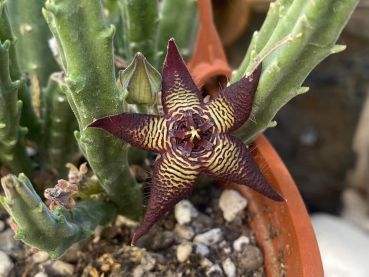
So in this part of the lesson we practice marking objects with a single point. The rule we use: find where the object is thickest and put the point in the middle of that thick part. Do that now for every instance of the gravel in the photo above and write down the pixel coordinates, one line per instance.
(40, 257)
(184, 232)
(208, 245)
(41, 274)
(138, 271)
(202, 249)
(240, 242)
(2, 225)
(6, 265)
(231, 203)
(7, 241)
(229, 268)
(184, 211)
(162, 240)
(214, 271)
(148, 262)
(249, 259)
(210, 237)
(184, 251)
(60, 268)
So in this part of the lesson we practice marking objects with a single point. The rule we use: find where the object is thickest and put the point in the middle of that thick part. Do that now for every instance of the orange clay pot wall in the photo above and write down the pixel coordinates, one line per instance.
(283, 230)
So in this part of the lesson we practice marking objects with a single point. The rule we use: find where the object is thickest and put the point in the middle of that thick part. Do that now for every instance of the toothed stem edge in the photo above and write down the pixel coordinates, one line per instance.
(59, 144)
(12, 148)
(92, 93)
(28, 115)
(311, 29)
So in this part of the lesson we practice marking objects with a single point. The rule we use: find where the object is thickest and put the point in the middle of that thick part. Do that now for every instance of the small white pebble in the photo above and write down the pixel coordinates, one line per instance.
(231, 203)
(202, 249)
(227, 250)
(224, 245)
(148, 262)
(7, 241)
(238, 243)
(62, 268)
(40, 257)
(41, 274)
(184, 211)
(214, 270)
(184, 251)
(229, 268)
(138, 271)
(210, 237)
(6, 264)
(184, 232)
(206, 263)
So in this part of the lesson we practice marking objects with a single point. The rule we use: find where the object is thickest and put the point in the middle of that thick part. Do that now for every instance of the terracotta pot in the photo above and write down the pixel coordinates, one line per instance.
(233, 17)
(283, 230)
(208, 64)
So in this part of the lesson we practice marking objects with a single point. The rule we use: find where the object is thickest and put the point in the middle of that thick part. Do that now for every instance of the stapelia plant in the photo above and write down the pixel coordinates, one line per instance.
(191, 138)
(50, 111)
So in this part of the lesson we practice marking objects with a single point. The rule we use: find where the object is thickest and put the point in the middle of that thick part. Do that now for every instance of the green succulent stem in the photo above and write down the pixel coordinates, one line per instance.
(295, 37)
(50, 231)
(140, 20)
(60, 144)
(12, 148)
(87, 54)
(28, 116)
(113, 15)
(178, 20)
(33, 37)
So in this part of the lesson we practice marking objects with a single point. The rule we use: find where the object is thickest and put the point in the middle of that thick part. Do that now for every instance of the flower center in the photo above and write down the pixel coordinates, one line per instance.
(192, 134)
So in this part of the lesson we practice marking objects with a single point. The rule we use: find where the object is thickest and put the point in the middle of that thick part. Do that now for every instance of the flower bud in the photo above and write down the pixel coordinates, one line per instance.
(140, 81)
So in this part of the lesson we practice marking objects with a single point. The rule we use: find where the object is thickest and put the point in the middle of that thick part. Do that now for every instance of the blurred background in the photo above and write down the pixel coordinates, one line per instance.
(322, 136)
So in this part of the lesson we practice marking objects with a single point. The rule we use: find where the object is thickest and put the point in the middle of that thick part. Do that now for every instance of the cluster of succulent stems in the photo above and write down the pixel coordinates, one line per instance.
(58, 75)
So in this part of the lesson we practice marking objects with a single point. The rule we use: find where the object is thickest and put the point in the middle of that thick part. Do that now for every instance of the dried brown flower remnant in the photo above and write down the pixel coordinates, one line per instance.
(76, 175)
(62, 195)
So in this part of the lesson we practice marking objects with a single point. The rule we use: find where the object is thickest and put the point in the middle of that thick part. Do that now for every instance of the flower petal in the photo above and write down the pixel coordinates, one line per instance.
(149, 132)
(178, 89)
(173, 180)
(232, 107)
(231, 161)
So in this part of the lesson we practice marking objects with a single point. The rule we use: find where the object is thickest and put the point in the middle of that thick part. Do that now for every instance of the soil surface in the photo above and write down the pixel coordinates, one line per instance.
(208, 245)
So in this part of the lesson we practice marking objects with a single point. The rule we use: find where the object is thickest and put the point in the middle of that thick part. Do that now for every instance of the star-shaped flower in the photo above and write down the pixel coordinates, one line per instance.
(192, 138)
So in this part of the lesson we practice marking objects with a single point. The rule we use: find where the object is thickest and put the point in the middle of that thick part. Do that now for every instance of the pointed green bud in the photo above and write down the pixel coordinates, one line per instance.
(140, 81)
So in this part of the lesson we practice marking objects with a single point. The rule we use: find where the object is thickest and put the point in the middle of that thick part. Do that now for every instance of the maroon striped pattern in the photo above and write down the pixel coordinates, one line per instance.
(178, 89)
(172, 180)
(191, 138)
(149, 132)
(233, 105)
(231, 161)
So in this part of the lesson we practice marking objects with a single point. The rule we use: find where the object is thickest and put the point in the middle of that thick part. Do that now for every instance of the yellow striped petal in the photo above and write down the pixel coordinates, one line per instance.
(149, 132)
(173, 180)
